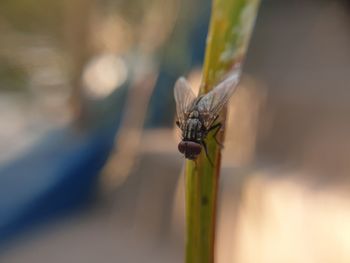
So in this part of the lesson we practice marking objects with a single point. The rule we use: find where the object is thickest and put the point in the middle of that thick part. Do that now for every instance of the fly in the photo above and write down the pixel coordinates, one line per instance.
(198, 115)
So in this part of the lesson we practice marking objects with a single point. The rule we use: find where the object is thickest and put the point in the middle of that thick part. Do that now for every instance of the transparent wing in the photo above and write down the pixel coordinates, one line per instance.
(211, 104)
(184, 98)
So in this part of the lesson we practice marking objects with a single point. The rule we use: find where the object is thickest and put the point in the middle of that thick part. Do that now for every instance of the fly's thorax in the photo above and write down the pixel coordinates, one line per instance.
(194, 128)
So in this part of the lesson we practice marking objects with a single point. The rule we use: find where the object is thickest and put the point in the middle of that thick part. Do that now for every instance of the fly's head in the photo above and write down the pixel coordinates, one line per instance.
(190, 149)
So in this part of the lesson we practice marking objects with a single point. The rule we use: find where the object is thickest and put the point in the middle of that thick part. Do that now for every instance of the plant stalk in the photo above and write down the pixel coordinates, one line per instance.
(230, 29)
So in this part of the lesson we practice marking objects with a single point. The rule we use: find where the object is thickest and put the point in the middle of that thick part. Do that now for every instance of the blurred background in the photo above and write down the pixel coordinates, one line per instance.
(89, 168)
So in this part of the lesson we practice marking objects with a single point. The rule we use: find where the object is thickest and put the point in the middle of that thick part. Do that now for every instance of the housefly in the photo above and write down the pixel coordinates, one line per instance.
(198, 115)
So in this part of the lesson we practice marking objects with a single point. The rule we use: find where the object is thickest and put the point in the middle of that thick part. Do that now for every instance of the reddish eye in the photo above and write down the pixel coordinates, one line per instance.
(190, 149)
(182, 147)
(194, 148)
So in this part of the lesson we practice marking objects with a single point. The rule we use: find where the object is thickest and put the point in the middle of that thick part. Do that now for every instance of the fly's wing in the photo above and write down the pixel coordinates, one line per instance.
(184, 98)
(211, 104)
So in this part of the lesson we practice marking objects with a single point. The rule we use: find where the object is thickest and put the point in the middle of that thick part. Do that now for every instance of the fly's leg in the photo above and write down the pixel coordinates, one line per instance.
(206, 152)
(218, 127)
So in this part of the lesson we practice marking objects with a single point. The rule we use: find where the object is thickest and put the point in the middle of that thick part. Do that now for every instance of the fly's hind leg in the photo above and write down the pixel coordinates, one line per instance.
(218, 127)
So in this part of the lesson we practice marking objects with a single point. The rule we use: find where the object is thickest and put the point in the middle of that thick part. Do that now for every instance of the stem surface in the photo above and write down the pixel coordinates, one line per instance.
(231, 25)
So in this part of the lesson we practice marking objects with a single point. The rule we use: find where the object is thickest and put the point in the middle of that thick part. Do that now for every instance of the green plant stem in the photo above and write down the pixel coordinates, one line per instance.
(229, 33)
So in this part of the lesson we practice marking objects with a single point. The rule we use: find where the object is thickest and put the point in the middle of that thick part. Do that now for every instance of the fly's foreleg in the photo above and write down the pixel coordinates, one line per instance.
(206, 152)
(217, 127)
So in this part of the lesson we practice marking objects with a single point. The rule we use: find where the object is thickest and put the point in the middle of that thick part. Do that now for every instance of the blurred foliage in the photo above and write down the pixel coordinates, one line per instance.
(47, 45)
(37, 16)
(12, 76)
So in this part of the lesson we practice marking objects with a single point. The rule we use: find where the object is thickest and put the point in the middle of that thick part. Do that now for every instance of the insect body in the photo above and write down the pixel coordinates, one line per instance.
(196, 116)
(193, 134)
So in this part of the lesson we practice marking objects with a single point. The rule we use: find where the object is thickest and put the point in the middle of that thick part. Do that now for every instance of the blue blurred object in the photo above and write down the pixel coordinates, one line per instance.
(59, 174)
(162, 104)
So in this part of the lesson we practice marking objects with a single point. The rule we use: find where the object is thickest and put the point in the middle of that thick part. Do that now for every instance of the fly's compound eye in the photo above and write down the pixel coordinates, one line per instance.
(194, 148)
(190, 149)
(182, 147)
